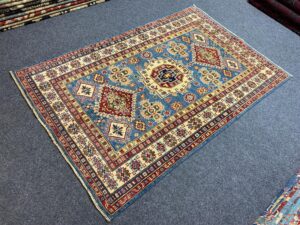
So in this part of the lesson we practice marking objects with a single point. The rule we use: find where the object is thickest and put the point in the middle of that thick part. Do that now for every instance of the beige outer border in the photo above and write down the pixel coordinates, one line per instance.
(58, 146)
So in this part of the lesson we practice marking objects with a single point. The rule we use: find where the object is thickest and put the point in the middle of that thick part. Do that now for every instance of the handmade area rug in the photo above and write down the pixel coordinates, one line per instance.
(125, 110)
(16, 13)
(285, 208)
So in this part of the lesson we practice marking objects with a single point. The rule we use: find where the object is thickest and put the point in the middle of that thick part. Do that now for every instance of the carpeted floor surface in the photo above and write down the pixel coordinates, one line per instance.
(230, 181)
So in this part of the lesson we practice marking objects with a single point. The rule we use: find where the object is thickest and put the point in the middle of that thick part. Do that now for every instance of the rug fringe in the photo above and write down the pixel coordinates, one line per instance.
(55, 142)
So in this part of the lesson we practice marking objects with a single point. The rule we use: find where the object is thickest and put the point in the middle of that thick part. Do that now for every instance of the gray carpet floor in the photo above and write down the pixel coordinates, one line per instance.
(229, 181)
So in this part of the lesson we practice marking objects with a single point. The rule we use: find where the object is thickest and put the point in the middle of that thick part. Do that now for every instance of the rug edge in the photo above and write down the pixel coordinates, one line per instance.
(56, 143)
(101, 41)
(242, 39)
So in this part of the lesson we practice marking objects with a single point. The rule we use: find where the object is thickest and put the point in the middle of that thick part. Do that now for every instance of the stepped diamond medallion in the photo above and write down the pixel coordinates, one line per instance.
(207, 56)
(116, 102)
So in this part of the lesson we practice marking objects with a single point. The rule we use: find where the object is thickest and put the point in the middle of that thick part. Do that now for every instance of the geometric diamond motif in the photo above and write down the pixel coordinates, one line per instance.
(199, 38)
(118, 130)
(86, 90)
(116, 102)
(231, 64)
(207, 56)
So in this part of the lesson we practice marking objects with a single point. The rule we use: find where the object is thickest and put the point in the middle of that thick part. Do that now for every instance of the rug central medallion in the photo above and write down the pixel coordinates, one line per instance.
(126, 110)
(166, 77)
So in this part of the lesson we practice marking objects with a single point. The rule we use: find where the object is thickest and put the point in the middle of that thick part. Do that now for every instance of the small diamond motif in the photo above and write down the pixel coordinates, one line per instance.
(231, 64)
(117, 130)
(86, 90)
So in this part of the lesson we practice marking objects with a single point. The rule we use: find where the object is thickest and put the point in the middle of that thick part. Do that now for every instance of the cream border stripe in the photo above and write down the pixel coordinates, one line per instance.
(58, 146)
(238, 37)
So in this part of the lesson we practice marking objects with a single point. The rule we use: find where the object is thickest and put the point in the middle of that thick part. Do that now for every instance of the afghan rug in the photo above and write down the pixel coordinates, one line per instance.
(16, 13)
(285, 208)
(125, 110)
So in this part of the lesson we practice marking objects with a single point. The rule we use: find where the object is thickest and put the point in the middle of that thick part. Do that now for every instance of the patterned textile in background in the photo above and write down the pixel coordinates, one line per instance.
(284, 11)
(23, 7)
(285, 208)
(14, 15)
(125, 110)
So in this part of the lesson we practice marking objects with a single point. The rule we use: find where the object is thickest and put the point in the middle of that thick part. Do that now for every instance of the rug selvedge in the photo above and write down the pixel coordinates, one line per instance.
(125, 110)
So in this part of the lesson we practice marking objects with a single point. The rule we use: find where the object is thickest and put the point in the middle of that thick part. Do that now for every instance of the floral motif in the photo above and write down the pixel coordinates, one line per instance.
(120, 75)
(143, 37)
(123, 174)
(89, 150)
(95, 56)
(189, 97)
(176, 106)
(45, 86)
(40, 78)
(238, 93)
(75, 64)
(170, 140)
(73, 128)
(159, 49)
(219, 107)
(251, 84)
(133, 60)
(148, 155)
(160, 147)
(210, 77)
(66, 117)
(63, 68)
(140, 125)
(152, 110)
(99, 78)
(111, 183)
(245, 88)
(262, 76)
(175, 48)
(135, 165)
(121, 46)
(58, 106)
(202, 90)
(102, 169)
(181, 132)
(146, 55)
(194, 123)
(229, 99)
(207, 115)
(51, 73)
